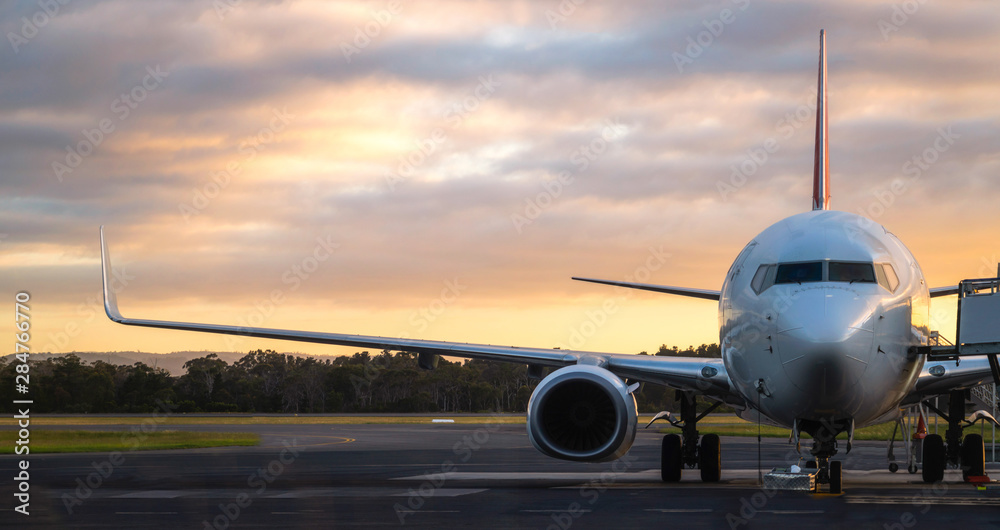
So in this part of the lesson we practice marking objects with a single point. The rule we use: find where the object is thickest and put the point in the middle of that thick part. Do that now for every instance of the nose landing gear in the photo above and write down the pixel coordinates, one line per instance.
(830, 472)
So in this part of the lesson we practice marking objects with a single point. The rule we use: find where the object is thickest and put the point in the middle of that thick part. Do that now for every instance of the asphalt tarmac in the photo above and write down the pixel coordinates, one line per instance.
(447, 476)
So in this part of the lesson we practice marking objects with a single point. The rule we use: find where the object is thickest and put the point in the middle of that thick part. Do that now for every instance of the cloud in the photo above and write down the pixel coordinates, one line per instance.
(416, 151)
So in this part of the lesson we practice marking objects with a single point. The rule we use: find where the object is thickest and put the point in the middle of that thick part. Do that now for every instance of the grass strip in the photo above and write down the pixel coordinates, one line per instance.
(361, 419)
(181, 419)
(723, 425)
(61, 441)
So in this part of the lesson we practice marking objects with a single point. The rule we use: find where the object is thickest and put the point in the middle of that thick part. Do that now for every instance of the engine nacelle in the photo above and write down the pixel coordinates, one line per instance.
(583, 413)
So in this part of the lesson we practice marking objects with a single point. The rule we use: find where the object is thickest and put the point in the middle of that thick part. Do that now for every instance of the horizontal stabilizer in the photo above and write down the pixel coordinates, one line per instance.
(682, 291)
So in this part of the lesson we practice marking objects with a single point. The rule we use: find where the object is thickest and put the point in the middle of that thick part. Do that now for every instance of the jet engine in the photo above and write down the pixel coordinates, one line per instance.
(583, 413)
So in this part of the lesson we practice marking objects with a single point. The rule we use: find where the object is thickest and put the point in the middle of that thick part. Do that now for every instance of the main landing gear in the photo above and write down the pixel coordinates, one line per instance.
(969, 454)
(686, 450)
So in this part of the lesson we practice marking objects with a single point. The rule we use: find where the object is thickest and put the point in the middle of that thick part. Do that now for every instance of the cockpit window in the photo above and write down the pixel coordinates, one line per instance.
(799, 272)
(758, 284)
(851, 272)
(886, 276)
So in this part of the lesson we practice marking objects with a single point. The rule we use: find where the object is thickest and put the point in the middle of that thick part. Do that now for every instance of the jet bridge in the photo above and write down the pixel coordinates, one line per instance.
(978, 330)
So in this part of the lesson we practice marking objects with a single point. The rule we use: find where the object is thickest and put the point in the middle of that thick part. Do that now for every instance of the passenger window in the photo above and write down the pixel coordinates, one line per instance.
(799, 272)
(851, 272)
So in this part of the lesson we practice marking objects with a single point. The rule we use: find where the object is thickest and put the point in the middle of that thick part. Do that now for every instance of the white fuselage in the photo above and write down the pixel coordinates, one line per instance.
(828, 340)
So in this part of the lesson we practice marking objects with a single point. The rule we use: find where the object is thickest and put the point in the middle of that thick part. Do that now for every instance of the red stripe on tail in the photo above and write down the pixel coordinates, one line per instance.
(821, 160)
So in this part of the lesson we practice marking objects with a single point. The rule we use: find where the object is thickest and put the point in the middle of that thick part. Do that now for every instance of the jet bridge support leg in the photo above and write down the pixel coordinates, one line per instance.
(953, 437)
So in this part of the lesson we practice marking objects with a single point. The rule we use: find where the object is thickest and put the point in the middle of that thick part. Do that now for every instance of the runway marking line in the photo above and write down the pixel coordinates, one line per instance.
(680, 510)
(447, 492)
(557, 510)
(343, 440)
(944, 501)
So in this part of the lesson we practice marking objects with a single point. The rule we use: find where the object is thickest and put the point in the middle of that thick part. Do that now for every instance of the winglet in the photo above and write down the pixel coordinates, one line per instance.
(110, 298)
(821, 159)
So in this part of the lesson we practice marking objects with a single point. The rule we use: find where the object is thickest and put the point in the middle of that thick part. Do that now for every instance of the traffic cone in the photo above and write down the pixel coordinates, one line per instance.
(921, 430)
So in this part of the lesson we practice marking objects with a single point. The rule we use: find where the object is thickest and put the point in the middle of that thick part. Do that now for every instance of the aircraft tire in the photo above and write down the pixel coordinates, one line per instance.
(710, 458)
(836, 476)
(934, 459)
(670, 458)
(973, 456)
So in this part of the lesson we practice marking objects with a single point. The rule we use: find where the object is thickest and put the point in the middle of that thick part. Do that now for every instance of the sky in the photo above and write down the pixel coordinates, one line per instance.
(440, 169)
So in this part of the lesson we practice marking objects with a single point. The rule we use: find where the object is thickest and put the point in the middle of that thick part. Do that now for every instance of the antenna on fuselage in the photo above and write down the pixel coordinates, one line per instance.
(821, 160)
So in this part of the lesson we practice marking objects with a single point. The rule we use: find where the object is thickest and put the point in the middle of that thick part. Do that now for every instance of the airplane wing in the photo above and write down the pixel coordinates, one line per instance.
(942, 377)
(682, 291)
(707, 376)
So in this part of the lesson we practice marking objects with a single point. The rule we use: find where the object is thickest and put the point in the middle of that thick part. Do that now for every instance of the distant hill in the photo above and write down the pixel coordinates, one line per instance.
(171, 362)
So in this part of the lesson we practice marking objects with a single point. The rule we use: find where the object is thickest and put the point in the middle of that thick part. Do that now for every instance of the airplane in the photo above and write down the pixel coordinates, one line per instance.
(822, 318)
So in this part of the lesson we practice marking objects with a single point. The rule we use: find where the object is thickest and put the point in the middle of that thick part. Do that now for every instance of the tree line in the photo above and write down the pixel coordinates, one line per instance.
(264, 381)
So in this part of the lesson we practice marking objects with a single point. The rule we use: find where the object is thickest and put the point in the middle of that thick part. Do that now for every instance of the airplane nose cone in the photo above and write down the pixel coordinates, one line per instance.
(824, 341)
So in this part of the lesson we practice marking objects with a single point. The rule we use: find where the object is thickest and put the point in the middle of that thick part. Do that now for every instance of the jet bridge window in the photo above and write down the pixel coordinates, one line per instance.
(841, 271)
(799, 272)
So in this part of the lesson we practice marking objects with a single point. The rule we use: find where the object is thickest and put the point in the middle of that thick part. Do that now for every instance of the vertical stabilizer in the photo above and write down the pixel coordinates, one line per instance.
(821, 161)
